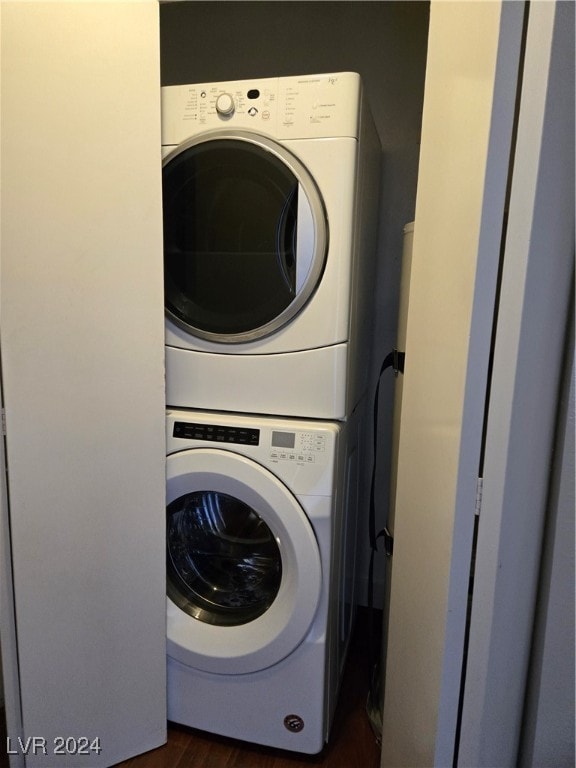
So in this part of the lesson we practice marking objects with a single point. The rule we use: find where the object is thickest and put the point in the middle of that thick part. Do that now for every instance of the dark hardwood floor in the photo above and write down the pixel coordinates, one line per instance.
(352, 743)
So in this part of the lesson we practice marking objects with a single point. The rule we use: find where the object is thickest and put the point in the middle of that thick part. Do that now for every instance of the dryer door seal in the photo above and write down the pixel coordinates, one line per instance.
(283, 600)
(245, 236)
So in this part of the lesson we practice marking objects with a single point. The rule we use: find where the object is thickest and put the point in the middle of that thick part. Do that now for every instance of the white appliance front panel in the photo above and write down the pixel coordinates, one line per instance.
(310, 384)
(254, 707)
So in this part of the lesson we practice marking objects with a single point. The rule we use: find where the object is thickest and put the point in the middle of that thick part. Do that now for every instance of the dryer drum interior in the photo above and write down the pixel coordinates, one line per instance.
(244, 237)
(223, 563)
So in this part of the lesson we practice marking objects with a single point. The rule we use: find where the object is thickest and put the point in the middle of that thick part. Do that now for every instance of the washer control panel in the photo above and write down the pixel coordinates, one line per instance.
(306, 447)
(285, 445)
(303, 454)
(215, 433)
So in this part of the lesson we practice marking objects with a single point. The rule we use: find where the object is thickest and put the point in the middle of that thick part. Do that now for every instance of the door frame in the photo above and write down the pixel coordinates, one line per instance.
(537, 280)
(469, 107)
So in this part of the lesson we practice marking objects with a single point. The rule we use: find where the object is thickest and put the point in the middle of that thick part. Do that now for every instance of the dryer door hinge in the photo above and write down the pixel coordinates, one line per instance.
(479, 488)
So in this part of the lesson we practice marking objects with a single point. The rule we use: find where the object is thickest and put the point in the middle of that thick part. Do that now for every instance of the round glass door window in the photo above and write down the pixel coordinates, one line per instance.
(224, 565)
(244, 237)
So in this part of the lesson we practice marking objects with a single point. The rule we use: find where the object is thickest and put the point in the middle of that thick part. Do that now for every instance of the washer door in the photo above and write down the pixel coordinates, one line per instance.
(245, 236)
(243, 566)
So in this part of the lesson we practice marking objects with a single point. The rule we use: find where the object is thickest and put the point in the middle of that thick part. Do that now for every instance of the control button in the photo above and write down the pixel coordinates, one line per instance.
(252, 111)
(216, 433)
(225, 104)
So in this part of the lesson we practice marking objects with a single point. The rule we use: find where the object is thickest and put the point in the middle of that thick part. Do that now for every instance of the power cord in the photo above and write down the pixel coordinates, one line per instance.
(394, 360)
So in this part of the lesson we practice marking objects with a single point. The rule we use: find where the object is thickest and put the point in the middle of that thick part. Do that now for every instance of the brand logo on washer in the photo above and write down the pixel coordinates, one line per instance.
(294, 723)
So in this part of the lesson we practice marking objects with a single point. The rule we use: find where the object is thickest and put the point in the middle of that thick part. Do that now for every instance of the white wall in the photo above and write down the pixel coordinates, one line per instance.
(386, 43)
(83, 375)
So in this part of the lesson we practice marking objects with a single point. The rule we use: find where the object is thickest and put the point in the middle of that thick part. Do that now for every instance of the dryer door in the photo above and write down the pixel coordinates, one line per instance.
(245, 236)
(244, 573)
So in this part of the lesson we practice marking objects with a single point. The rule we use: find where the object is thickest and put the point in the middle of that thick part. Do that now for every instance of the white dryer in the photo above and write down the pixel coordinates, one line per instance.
(261, 517)
(270, 195)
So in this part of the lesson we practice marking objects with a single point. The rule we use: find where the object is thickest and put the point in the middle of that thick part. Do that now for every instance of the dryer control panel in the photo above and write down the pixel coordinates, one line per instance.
(308, 106)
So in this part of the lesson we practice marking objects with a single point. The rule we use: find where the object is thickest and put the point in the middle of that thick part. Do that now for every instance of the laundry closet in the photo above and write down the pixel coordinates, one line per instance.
(272, 217)
(92, 270)
(83, 501)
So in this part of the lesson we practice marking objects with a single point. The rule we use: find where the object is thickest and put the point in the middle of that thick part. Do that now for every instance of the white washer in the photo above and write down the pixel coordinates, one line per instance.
(261, 517)
(270, 192)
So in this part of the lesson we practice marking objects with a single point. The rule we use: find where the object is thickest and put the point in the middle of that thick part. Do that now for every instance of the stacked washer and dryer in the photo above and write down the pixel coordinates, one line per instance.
(270, 202)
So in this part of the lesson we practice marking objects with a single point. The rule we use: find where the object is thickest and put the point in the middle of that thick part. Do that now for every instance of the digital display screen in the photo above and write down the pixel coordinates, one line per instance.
(283, 439)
